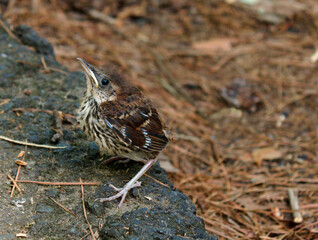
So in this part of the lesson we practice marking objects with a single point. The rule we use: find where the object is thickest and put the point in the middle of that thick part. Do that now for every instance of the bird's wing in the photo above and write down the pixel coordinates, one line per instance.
(134, 122)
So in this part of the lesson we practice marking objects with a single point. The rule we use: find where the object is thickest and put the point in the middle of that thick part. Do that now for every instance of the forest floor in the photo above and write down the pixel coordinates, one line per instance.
(237, 88)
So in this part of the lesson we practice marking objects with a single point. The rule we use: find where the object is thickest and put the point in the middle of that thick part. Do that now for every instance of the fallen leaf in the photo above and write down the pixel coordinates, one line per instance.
(21, 154)
(214, 45)
(19, 162)
(166, 165)
(245, 157)
(250, 204)
(269, 153)
(227, 113)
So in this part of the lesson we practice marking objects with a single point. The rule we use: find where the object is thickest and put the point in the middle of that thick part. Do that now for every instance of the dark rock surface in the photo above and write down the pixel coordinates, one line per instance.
(153, 211)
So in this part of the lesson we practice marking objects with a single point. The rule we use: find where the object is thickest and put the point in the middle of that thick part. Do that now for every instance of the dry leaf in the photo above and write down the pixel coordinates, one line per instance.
(138, 11)
(19, 162)
(21, 154)
(269, 153)
(245, 157)
(227, 113)
(250, 204)
(214, 45)
(166, 165)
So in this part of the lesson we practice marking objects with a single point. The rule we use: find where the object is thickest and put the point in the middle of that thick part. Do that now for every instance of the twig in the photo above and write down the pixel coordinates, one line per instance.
(215, 152)
(101, 17)
(58, 127)
(60, 183)
(14, 184)
(48, 69)
(29, 144)
(314, 205)
(16, 178)
(300, 97)
(22, 153)
(8, 30)
(57, 70)
(85, 236)
(157, 181)
(294, 204)
(67, 210)
(44, 63)
(165, 71)
(65, 116)
(218, 233)
(84, 210)
(9, 8)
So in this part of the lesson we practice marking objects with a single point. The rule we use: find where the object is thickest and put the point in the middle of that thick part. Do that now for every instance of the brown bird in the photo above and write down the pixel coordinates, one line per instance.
(121, 121)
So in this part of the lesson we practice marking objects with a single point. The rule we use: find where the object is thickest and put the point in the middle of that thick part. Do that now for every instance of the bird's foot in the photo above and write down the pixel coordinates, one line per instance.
(122, 192)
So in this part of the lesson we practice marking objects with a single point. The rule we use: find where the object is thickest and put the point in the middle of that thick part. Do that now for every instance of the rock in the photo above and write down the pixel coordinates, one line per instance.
(30, 38)
(149, 212)
(146, 224)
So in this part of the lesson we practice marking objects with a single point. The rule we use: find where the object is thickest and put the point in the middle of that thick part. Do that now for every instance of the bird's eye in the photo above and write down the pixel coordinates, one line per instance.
(105, 81)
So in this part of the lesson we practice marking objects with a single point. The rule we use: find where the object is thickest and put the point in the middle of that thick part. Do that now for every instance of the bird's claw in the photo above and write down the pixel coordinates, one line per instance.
(122, 192)
(115, 188)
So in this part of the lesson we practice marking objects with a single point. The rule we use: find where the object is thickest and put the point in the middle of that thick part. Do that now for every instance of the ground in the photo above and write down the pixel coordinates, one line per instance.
(55, 206)
(236, 86)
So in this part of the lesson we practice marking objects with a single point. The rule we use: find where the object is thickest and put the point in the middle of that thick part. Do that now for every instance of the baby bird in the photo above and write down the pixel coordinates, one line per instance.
(121, 121)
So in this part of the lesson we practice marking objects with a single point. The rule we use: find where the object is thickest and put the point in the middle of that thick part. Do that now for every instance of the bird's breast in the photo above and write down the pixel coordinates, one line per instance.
(97, 130)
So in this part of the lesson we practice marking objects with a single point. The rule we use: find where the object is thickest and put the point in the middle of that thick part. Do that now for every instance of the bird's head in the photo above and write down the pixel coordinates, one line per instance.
(101, 86)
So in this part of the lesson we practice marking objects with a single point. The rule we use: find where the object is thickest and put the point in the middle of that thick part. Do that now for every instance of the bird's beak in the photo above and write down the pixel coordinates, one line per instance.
(88, 72)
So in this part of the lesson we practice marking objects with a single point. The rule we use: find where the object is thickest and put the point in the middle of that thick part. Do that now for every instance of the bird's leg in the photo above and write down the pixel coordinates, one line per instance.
(122, 192)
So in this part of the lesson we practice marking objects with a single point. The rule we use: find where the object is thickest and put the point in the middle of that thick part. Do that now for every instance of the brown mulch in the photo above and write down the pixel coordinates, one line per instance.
(239, 95)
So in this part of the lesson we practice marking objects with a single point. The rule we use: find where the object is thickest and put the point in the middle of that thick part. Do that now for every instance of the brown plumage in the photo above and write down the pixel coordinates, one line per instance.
(121, 121)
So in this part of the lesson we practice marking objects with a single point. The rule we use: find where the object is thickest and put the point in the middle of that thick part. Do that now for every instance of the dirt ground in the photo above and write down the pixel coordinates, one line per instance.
(236, 86)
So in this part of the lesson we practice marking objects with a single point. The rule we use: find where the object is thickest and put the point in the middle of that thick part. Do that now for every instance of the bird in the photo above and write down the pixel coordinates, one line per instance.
(122, 122)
